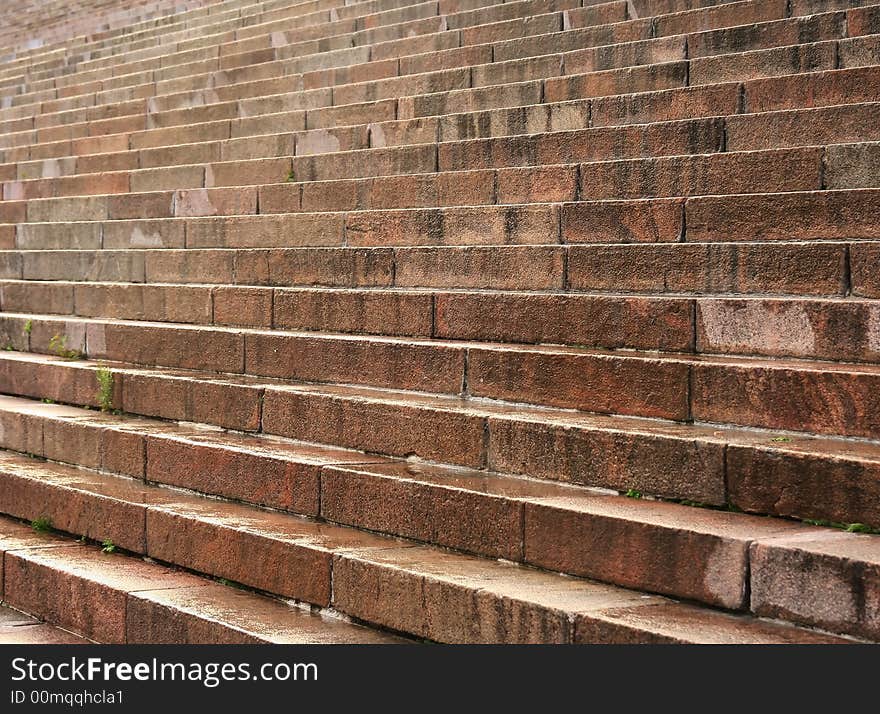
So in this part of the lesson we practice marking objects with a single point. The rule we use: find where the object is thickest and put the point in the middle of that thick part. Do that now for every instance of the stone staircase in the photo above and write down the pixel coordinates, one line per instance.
(461, 321)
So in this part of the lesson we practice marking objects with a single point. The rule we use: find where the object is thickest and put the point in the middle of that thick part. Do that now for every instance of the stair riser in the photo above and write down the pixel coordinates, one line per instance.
(696, 41)
(362, 500)
(789, 170)
(723, 268)
(659, 464)
(579, 320)
(578, 62)
(851, 167)
(670, 388)
(797, 216)
(179, 536)
(307, 24)
(387, 27)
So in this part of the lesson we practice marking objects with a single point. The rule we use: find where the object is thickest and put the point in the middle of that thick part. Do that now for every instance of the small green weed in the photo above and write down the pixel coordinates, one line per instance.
(58, 346)
(41, 524)
(633, 493)
(108, 546)
(848, 527)
(28, 326)
(105, 389)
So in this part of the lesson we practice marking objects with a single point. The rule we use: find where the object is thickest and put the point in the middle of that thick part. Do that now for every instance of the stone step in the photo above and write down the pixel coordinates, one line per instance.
(166, 101)
(16, 628)
(835, 398)
(859, 27)
(210, 39)
(43, 27)
(533, 522)
(809, 477)
(820, 269)
(795, 216)
(818, 329)
(738, 268)
(803, 169)
(138, 35)
(576, 20)
(481, 25)
(179, 108)
(439, 595)
(115, 598)
(135, 115)
(276, 163)
(392, 309)
(92, 38)
(829, 90)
